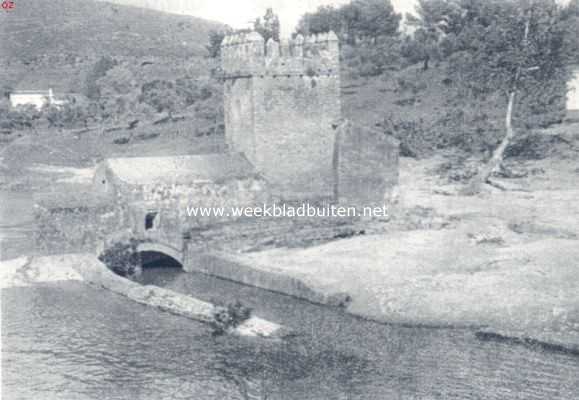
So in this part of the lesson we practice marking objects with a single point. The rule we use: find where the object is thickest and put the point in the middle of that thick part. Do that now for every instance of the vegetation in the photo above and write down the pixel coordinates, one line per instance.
(122, 93)
(68, 31)
(215, 39)
(268, 26)
(122, 258)
(228, 317)
(368, 31)
(443, 82)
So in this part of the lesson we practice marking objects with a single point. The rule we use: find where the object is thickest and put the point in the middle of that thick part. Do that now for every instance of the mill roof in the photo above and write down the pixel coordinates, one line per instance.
(181, 169)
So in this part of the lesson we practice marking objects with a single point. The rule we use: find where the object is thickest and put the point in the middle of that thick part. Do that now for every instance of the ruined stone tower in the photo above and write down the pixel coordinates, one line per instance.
(281, 103)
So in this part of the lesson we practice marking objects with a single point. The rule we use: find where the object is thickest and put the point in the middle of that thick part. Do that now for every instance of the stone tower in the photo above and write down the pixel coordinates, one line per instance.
(282, 102)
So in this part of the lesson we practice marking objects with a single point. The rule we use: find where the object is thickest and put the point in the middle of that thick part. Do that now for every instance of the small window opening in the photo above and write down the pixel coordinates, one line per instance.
(104, 181)
(150, 220)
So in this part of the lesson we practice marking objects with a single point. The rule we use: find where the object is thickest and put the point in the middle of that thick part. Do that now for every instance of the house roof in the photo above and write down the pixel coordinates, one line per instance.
(181, 169)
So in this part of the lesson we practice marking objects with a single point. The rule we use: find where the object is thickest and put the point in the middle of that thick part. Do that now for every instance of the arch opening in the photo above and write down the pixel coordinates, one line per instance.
(156, 259)
(158, 268)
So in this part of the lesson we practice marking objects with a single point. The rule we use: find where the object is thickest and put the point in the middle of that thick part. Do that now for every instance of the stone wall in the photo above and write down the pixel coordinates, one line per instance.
(261, 233)
(366, 166)
(75, 224)
(156, 212)
(246, 54)
(293, 132)
(281, 101)
(238, 114)
(159, 212)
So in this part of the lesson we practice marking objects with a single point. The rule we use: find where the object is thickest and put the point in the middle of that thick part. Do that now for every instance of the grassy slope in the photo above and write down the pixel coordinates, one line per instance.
(57, 39)
(368, 100)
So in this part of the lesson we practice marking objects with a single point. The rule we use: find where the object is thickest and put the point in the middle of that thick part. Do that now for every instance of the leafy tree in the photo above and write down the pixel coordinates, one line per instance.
(571, 23)
(371, 19)
(99, 70)
(324, 19)
(367, 28)
(359, 20)
(119, 92)
(513, 47)
(161, 95)
(268, 27)
(435, 23)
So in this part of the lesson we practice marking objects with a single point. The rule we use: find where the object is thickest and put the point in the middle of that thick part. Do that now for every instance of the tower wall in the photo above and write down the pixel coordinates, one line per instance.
(239, 116)
(281, 103)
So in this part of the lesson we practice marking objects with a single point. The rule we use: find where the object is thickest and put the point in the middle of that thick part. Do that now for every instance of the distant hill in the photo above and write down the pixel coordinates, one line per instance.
(89, 27)
(60, 39)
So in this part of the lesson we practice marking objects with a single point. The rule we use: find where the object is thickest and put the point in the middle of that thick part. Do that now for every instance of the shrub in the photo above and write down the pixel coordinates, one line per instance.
(122, 258)
(229, 317)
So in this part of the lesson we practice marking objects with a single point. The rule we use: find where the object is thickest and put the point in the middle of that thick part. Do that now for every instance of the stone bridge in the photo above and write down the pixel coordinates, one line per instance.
(164, 249)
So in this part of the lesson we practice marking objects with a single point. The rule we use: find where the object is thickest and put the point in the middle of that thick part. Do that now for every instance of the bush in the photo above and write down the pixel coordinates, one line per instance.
(122, 258)
(470, 129)
(227, 318)
(26, 117)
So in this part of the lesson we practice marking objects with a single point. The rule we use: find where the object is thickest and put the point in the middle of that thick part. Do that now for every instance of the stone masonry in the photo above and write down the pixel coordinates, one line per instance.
(287, 144)
(282, 102)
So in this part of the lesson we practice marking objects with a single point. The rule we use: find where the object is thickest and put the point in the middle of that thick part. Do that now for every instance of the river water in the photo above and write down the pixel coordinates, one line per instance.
(69, 341)
(15, 223)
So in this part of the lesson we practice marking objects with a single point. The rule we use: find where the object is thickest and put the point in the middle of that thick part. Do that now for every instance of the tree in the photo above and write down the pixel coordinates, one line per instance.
(515, 46)
(324, 19)
(571, 23)
(161, 95)
(214, 46)
(359, 20)
(435, 21)
(119, 92)
(375, 19)
(269, 26)
(99, 70)
(368, 28)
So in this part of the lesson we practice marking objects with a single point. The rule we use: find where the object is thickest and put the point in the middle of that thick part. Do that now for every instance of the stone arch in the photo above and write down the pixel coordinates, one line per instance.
(162, 248)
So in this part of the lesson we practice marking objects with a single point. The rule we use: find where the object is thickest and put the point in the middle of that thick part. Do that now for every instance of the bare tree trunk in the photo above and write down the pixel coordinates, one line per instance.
(484, 173)
(476, 184)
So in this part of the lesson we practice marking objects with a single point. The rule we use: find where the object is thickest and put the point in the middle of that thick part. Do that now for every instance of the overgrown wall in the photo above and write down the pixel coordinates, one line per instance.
(67, 227)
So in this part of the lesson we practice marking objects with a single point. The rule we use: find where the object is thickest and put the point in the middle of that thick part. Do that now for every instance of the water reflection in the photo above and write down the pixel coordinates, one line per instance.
(69, 341)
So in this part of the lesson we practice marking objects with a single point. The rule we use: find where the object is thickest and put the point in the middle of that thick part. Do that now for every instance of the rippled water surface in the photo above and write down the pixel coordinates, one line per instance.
(16, 223)
(68, 341)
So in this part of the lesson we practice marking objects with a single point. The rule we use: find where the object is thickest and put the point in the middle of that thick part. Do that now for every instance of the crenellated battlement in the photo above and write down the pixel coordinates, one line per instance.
(246, 54)
(281, 101)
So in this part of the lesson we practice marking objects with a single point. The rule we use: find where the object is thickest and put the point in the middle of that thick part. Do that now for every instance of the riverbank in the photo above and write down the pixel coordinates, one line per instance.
(31, 271)
(504, 262)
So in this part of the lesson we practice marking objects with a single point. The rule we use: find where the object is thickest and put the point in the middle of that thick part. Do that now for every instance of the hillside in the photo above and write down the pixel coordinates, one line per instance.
(42, 36)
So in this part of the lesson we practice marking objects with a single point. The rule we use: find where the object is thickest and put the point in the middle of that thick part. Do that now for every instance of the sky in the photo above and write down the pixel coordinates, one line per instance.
(240, 13)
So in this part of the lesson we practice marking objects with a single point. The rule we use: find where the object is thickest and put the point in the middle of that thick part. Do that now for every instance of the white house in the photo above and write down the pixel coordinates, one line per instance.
(36, 98)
